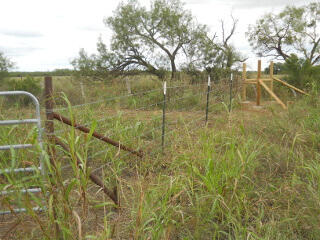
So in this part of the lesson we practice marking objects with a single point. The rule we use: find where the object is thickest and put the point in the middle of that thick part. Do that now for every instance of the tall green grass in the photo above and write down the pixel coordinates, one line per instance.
(243, 175)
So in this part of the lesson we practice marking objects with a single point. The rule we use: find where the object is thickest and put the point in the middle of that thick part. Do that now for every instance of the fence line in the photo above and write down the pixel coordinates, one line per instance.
(138, 109)
(144, 134)
(124, 96)
(147, 121)
(151, 152)
(181, 100)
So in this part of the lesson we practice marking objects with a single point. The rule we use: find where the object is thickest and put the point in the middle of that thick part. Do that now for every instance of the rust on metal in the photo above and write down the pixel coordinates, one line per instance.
(95, 134)
(49, 125)
(92, 176)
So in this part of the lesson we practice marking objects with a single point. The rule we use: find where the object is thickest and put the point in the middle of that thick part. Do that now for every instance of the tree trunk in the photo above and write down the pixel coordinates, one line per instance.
(173, 68)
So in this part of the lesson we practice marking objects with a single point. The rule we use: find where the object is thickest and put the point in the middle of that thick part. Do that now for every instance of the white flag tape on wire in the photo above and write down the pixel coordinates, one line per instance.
(165, 87)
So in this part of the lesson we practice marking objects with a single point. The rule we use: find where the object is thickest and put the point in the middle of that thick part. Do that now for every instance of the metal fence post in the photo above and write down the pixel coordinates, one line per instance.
(208, 96)
(231, 86)
(258, 84)
(244, 86)
(164, 112)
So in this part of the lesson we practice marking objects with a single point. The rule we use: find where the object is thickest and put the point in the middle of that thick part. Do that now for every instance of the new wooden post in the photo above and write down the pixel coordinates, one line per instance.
(271, 77)
(244, 86)
(258, 83)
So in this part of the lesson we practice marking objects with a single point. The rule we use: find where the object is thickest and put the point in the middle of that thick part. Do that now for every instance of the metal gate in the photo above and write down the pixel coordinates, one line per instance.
(37, 121)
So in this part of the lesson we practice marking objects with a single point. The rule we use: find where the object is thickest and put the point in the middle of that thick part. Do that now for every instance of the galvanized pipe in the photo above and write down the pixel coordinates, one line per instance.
(21, 210)
(37, 106)
(30, 190)
(17, 146)
(16, 170)
(21, 121)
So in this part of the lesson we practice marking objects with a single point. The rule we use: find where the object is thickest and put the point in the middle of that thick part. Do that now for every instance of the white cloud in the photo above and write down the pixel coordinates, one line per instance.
(44, 35)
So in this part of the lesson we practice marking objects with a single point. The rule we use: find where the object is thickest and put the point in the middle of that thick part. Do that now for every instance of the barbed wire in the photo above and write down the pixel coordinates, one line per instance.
(141, 108)
(124, 96)
(155, 150)
(107, 100)
(150, 120)
(144, 134)
(183, 86)
(219, 92)
(153, 129)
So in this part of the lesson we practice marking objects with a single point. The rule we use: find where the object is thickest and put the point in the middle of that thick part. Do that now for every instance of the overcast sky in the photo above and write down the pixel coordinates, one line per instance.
(41, 35)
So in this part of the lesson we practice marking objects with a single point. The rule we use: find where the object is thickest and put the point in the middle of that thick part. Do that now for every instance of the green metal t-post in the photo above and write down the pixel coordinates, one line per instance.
(164, 113)
(208, 96)
(231, 86)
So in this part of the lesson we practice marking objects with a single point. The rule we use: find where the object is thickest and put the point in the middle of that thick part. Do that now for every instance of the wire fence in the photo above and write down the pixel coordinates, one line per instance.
(148, 121)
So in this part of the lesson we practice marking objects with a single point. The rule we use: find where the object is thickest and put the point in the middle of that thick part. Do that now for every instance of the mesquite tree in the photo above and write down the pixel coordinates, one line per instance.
(149, 39)
(295, 30)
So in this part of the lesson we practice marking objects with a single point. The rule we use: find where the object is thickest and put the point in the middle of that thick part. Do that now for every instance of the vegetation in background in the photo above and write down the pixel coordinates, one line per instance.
(293, 30)
(28, 84)
(56, 72)
(301, 73)
(5, 66)
(298, 72)
(155, 40)
(278, 68)
(293, 36)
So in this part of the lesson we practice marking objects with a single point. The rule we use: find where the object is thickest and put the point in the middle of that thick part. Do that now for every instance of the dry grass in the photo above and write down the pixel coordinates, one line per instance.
(246, 174)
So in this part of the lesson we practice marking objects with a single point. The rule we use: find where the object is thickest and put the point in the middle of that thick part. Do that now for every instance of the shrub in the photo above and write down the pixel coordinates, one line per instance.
(28, 84)
(301, 73)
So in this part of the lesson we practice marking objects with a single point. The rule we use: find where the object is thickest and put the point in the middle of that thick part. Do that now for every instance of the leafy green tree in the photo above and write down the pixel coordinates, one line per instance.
(150, 39)
(216, 55)
(295, 30)
(153, 38)
(5, 66)
(301, 73)
(28, 84)
(278, 68)
(85, 65)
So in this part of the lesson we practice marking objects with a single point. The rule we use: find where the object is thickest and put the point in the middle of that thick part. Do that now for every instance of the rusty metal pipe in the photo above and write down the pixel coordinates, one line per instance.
(93, 177)
(95, 134)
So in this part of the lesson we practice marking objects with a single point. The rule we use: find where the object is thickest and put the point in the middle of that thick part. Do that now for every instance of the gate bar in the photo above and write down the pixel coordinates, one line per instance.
(21, 121)
(16, 170)
(37, 105)
(17, 146)
(30, 190)
(20, 210)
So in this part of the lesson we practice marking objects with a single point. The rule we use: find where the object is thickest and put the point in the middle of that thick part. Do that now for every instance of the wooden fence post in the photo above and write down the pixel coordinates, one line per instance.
(49, 128)
(48, 90)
